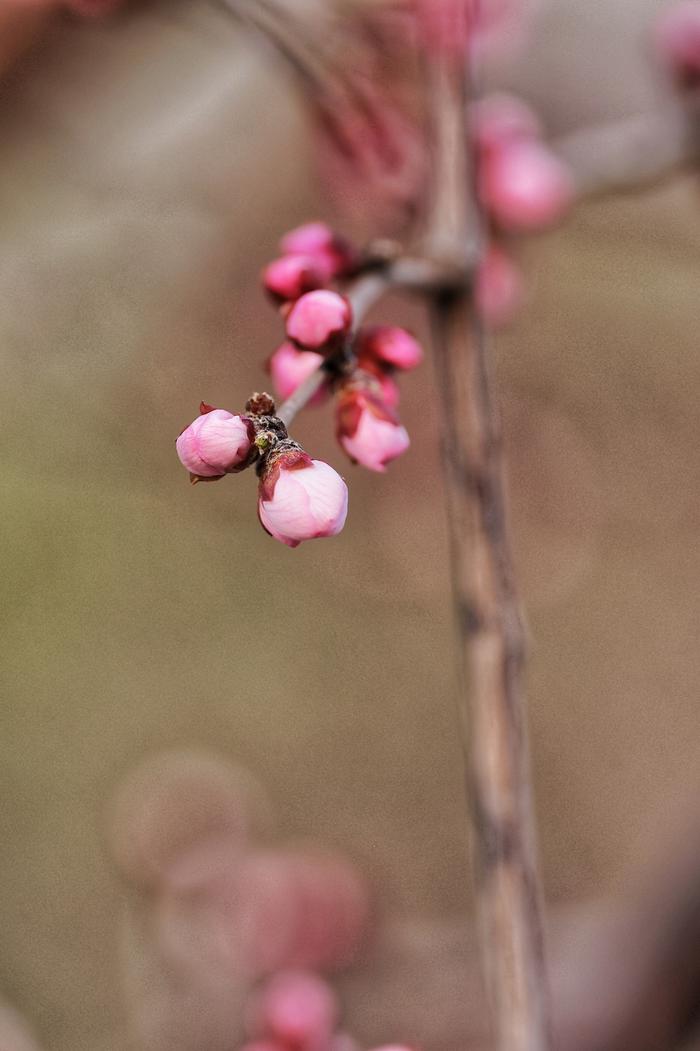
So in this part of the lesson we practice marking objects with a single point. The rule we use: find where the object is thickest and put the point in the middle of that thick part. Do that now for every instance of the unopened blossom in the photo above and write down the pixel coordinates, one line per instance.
(368, 430)
(388, 388)
(500, 118)
(291, 276)
(498, 289)
(215, 444)
(319, 320)
(289, 367)
(450, 27)
(301, 499)
(297, 1008)
(331, 252)
(389, 344)
(524, 186)
(677, 40)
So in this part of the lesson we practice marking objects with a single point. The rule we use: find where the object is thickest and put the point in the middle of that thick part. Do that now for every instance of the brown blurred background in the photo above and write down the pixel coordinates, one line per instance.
(149, 165)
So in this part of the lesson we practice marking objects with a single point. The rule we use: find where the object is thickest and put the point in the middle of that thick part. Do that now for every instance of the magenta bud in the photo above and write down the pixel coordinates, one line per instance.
(498, 289)
(677, 41)
(322, 244)
(368, 430)
(319, 320)
(500, 118)
(291, 276)
(296, 1008)
(215, 444)
(389, 344)
(289, 367)
(301, 499)
(525, 186)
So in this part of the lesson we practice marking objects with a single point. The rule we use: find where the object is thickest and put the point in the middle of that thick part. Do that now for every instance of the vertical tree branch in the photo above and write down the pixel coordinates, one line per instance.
(489, 626)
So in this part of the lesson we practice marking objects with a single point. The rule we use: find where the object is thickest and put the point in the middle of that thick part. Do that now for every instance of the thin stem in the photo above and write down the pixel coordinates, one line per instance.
(489, 628)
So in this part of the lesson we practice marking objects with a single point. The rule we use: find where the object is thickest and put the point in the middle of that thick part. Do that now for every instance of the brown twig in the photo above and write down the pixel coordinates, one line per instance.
(490, 632)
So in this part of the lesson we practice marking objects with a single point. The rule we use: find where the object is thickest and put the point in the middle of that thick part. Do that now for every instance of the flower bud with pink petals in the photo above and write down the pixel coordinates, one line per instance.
(300, 498)
(289, 368)
(498, 289)
(388, 389)
(677, 41)
(319, 320)
(389, 344)
(317, 241)
(368, 430)
(525, 186)
(297, 1008)
(291, 276)
(215, 444)
(500, 118)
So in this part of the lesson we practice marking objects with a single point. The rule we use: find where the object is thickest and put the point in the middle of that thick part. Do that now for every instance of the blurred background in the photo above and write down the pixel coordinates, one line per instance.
(149, 164)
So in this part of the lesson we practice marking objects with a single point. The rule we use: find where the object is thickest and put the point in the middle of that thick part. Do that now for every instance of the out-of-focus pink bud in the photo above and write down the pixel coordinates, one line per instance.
(289, 367)
(677, 41)
(390, 344)
(500, 118)
(331, 252)
(291, 276)
(525, 186)
(450, 27)
(498, 290)
(319, 320)
(301, 499)
(215, 444)
(295, 1007)
(368, 430)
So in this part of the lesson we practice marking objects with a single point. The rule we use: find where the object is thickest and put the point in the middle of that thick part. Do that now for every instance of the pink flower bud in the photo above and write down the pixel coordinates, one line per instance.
(289, 367)
(296, 1008)
(498, 291)
(327, 248)
(677, 40)
(301, 499)
(215, 444)
(387, 389)
(525, 186)
(368, 430)
(319, 320)
(450, 27)
(292, 275)
(500, 118)
(390, 344)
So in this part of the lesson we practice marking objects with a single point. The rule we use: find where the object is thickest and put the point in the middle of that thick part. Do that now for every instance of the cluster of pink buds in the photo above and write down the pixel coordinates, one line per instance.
(359, 366)
(301, 498)
(523, 186)
(297, 1011)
